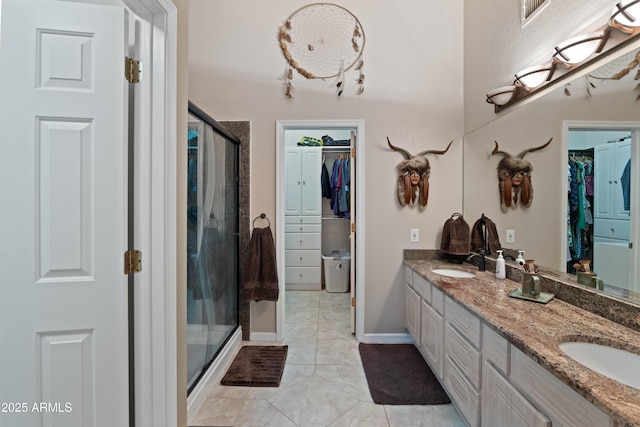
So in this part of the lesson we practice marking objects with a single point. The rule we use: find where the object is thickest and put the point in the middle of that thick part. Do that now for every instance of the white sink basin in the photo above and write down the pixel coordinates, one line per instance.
(453, 273)
(614, 363)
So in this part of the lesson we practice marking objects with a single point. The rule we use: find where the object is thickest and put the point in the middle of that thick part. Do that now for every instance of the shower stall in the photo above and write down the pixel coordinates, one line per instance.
(213, 221)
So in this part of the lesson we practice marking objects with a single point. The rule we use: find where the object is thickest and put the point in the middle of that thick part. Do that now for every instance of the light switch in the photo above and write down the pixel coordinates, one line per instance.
(511, 236)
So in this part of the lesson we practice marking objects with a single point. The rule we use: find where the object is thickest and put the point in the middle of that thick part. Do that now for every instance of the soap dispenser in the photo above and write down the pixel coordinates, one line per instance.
(500, 268)
(520, 259)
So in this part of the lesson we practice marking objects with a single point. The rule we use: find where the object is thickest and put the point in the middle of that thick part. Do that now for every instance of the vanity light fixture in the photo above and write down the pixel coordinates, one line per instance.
(626, 16)
(533, 77)
(576, 50)
(502, 95)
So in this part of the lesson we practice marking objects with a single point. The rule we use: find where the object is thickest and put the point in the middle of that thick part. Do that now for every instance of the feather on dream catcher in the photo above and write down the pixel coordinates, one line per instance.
(323, 41)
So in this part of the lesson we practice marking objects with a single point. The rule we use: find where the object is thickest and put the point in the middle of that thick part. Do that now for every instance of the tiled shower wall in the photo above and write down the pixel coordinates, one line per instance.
(242, 129)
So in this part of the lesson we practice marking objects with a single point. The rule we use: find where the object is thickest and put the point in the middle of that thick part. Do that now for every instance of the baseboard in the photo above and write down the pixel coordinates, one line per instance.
(217, 369)
(262, 336)
(405, 338)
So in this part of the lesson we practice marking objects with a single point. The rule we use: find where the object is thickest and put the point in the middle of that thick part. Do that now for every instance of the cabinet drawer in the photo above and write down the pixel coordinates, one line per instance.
(465, 322)
(460, 351)
(612, 228)
(561, 404)
(302, 228)
(437, 299)
(422, 287)
(307, 219)
(408, 275)
(302, 274)
(302, 258)
(466, 398)
(495, 349)
(302, 240)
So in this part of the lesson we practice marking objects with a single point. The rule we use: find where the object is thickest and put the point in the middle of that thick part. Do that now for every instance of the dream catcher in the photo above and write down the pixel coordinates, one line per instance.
(323, 41)
(615, 70)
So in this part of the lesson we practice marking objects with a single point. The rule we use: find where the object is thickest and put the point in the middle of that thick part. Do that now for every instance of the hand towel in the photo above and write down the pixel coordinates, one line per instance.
(261, 281)
(456, 237)
(493, 241)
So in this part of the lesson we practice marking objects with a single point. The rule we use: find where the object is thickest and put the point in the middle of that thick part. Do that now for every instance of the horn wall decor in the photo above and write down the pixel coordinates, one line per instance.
(514, 176)
(413, 182)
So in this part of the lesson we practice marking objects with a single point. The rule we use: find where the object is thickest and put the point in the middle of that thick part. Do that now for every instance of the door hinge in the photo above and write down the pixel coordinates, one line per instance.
(132, 69)
(353, 227)
(353, 302)
(132, 261)
(353, 153)
(630, 245)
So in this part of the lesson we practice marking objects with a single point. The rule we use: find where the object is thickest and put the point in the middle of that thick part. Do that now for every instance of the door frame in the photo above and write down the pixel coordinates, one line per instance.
(155, 214)
(281, 127)
(634, 232)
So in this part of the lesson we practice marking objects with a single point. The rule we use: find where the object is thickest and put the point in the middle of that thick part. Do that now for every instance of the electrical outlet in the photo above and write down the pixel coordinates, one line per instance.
(511, 236)
(415, 235)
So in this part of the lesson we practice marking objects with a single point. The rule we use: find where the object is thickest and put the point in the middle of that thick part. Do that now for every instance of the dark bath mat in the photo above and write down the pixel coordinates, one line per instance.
(257, 366)
(398, 375)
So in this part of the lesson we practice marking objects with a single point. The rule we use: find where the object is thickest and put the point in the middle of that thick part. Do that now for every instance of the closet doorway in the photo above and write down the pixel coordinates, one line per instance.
(602, 201)
(315, 228)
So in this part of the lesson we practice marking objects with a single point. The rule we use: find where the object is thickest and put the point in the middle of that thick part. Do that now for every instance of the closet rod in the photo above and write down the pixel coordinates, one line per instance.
(345, 151)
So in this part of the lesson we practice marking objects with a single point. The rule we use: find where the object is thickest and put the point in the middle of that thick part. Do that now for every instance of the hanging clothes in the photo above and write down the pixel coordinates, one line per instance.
(340, 181)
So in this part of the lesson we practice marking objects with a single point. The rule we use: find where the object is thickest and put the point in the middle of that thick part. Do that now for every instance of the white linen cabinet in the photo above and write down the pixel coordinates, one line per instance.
(303, 221)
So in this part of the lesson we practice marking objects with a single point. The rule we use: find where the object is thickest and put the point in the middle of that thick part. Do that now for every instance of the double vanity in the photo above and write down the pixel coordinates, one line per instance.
(506, 361)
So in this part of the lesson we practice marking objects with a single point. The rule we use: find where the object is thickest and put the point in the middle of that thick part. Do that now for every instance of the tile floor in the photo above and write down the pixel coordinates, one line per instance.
(323, 382)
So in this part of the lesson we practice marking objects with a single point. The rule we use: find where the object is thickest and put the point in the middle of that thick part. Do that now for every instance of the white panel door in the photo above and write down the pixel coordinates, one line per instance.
(311, 196)
(63, 306)
(292, 182)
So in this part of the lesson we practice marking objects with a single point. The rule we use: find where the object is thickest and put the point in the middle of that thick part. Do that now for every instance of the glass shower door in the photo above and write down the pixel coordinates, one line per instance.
(212, 243)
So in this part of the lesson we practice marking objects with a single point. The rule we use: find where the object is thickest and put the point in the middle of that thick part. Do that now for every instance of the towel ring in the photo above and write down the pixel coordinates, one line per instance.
(262, 216)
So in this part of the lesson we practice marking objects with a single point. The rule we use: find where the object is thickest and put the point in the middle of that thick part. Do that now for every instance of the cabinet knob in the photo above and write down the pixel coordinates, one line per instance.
(300, 228)
(304, 182)
(615, 182)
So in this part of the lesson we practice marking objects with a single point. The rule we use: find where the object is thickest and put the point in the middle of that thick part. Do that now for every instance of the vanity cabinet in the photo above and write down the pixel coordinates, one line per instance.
(490, 381)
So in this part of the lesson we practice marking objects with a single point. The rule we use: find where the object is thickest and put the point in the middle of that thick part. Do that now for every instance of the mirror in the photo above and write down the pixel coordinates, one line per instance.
(587, 107)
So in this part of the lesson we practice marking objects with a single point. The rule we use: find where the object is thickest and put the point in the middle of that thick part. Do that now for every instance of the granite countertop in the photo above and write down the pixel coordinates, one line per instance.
(537, 329)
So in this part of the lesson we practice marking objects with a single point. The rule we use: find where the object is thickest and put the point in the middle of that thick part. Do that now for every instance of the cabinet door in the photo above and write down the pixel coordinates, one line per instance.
(292, 181)
(504, 406)
(310, 196)
(432, 339)
(412, 314)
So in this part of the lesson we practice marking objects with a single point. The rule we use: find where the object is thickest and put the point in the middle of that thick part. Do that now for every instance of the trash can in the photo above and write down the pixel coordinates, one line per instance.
(336, 271)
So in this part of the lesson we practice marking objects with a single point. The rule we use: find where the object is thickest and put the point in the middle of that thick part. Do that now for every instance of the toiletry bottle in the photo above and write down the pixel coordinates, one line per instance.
(501, 272)
(520, 259)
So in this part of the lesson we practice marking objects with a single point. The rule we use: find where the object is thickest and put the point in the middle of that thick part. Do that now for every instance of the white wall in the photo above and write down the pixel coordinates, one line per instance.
(413, 94)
